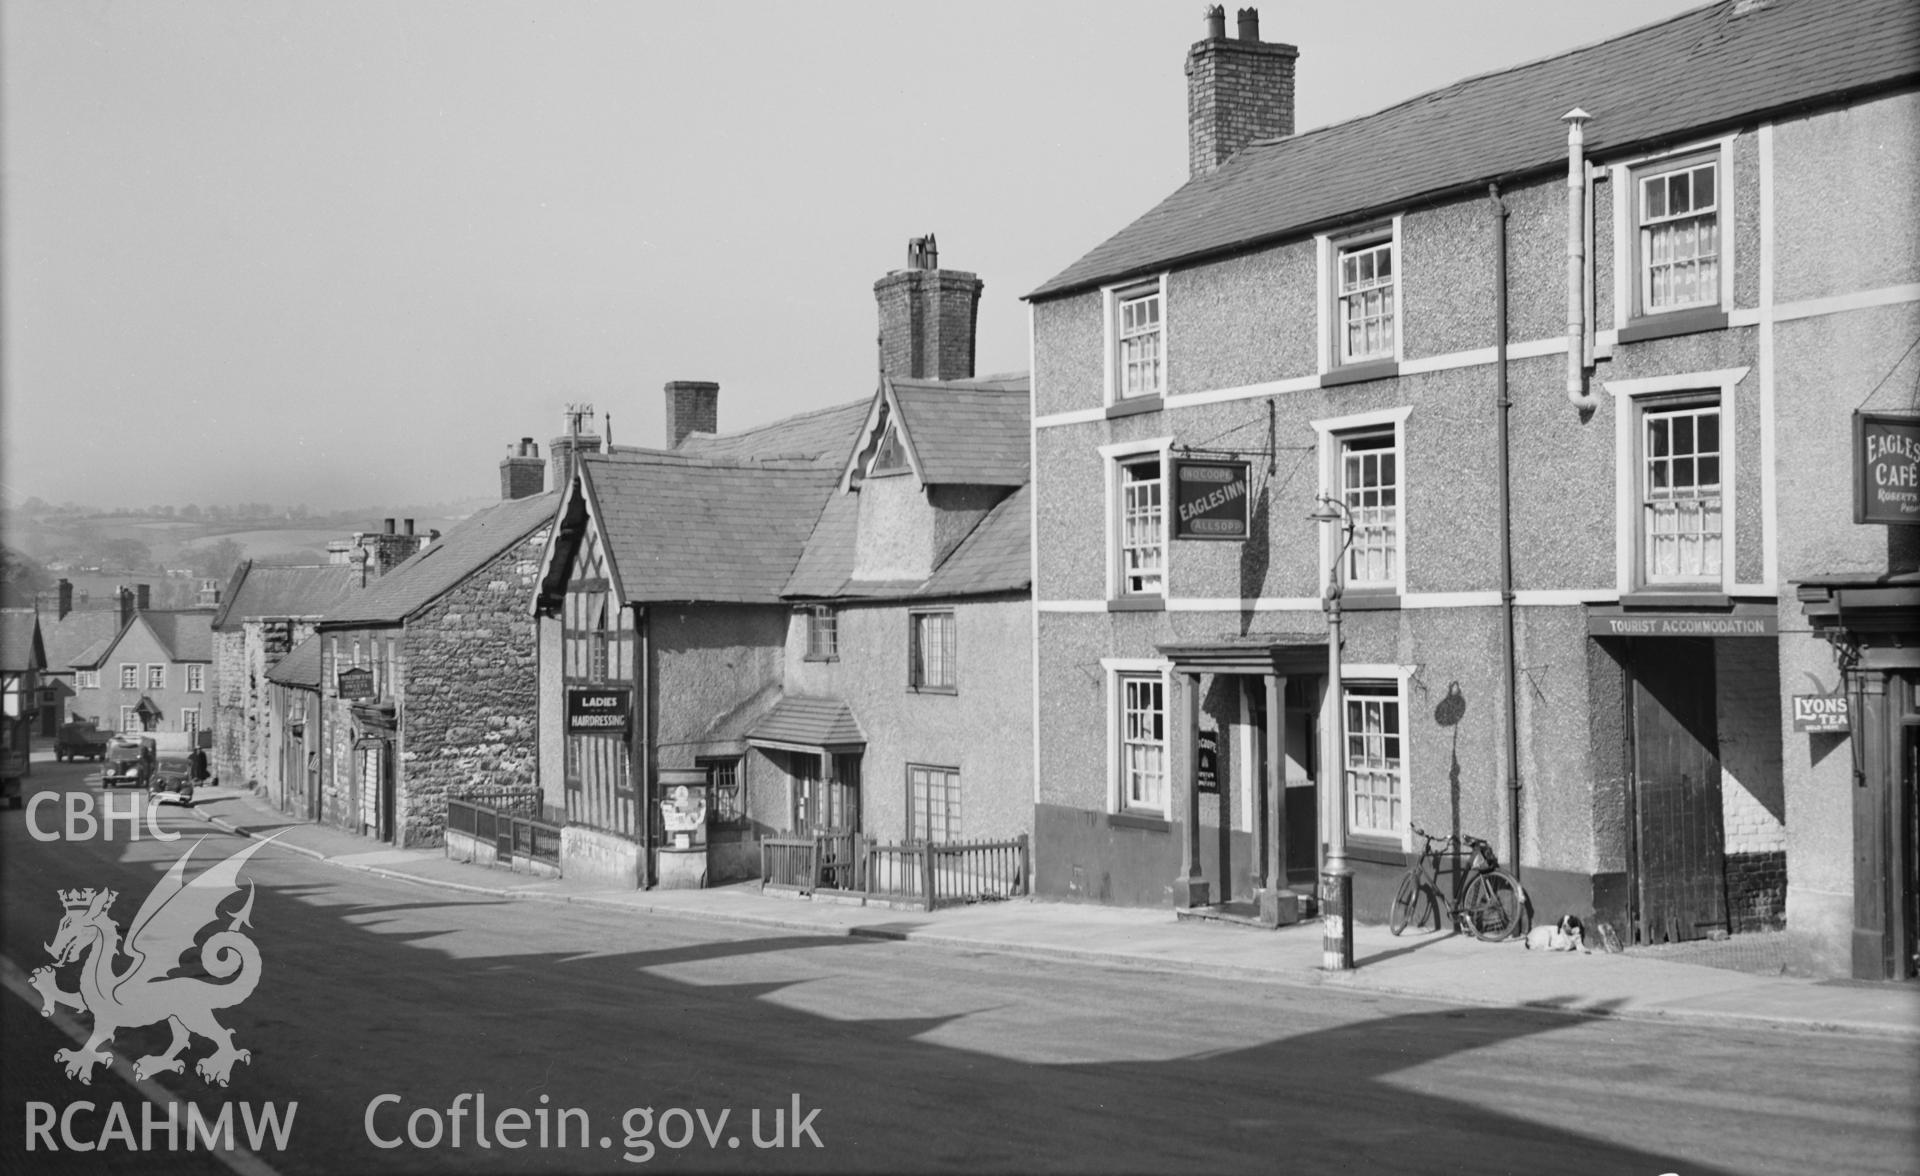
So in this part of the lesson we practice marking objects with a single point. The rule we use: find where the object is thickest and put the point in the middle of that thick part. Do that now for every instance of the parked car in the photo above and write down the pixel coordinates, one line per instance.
(172, 780)
(80, 739)
(129, 760)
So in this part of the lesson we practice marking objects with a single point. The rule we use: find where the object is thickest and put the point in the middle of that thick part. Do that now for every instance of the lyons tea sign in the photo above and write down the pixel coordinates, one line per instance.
(1886, 468)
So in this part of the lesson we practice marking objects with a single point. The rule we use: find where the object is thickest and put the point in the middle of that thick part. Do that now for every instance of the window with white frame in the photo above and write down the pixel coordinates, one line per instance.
(1374, 762)
(823, 633)
(724, 796)
(1365, 284)
(1139, 339)
(190, 720)
(1143, 742)
(87, 679)
(930, 654)
(129, 676)
(933, 804)
(129, 720)
(196, 678)
(156, 677)
(1681, 521)
(1142, 526)
(1678, 235)
(1369, 487)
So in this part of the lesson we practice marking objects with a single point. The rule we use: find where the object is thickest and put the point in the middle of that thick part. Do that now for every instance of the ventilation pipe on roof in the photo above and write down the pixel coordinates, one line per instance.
(1576, 120)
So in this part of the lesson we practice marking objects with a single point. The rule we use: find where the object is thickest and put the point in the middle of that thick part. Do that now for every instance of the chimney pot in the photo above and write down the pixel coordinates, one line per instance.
(1216, 22)
(1238, 92)
(409, 527)
(389, 526)
(1249, 19)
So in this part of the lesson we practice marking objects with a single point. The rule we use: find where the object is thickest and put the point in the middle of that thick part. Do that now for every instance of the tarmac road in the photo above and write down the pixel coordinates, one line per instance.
(907, 1057)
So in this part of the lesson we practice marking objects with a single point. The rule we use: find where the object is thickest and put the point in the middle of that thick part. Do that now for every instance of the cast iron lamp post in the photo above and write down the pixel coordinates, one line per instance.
(1336, 877)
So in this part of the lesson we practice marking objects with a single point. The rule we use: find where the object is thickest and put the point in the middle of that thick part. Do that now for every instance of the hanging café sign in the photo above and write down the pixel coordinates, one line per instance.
(1886, 468)
(1209, 499)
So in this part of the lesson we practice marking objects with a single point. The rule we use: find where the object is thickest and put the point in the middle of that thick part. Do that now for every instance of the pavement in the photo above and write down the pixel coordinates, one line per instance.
(1448, 968)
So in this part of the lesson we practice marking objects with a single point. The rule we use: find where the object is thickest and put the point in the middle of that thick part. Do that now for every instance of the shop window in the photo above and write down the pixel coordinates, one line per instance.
(726, 799)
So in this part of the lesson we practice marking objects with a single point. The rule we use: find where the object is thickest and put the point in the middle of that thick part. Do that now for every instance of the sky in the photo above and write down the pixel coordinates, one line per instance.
(344, 253)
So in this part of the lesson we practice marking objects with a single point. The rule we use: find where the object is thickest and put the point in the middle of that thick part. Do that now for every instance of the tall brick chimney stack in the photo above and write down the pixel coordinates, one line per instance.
(579, 438)
(143, 597)
(693, 406)
(927, 317)
(522, 473)
(126, 604)
(1238, 91)
(66, 598)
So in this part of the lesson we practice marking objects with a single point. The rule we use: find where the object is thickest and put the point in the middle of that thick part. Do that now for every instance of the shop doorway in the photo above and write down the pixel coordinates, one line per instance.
(1679, 844)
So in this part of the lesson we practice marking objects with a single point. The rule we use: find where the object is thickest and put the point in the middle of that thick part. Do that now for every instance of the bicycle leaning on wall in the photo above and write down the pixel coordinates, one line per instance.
(1491, 906)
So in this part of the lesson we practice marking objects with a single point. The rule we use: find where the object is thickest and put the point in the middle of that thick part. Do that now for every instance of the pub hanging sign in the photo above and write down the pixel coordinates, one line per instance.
(1209, 499)
(355, 682)
(1886, 468)
(597, 711)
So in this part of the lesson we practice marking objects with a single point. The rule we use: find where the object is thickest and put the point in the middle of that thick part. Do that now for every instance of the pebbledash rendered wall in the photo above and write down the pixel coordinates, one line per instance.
(1847, 306)
(982, 727)
(1237, 327)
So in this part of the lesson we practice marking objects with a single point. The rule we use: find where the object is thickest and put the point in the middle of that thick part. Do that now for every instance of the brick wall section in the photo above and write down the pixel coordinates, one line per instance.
(1238, 92)
(1757, 891)
(470, 694)
(927, 323)
(693, 406)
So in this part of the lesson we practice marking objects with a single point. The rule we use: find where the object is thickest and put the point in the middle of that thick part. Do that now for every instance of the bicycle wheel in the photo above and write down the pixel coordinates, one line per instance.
(1412, 897)
(1494, 906)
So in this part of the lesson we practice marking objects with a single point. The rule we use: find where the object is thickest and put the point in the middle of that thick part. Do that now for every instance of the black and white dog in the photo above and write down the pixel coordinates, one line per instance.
(1566, 935)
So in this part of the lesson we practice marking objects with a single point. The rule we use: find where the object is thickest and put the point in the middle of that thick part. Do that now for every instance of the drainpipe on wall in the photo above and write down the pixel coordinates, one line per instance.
(643, 752)
(1504, 403)
(1576, 120)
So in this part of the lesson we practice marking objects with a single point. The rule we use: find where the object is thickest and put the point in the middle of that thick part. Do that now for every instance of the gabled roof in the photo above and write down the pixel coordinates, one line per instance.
(821, 437)
(21, 648)
(960, 432)
(185, 634)
(79, 638)
(696, 531)
(300, 667)
(268, 590)
(1724, 65)
(442, 566)
(995, 556)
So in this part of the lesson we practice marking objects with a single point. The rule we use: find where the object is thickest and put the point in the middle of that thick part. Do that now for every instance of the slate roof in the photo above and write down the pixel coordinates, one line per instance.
(427, 575)
(695, 531)
(79, 638)
(186, 634)
(21, 648)
(822, 437)
(268, 590)
(996, 556)
(809, 722)
(1700, 71)
(300, 666)
(966, 433)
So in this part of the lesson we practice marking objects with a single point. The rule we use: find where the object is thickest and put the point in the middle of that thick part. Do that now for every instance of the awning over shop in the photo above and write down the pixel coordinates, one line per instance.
(799, 723)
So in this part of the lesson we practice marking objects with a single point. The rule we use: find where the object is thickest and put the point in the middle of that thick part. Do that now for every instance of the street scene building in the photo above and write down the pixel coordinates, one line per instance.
(152, 674)
(1566, 373)
(812, 624)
